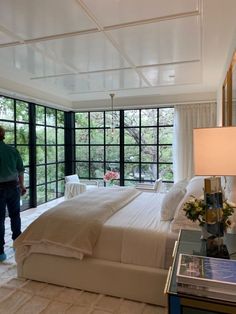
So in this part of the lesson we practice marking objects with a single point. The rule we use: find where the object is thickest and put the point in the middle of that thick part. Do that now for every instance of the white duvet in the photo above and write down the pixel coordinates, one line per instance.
(131, 232)
(73, 227)
(136, 234)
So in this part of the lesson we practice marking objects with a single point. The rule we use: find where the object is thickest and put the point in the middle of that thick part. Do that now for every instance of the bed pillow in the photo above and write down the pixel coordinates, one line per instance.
(172, 199)
(195, 188)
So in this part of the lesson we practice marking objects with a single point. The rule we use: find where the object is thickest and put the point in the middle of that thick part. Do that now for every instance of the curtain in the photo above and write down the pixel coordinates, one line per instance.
(188, 117)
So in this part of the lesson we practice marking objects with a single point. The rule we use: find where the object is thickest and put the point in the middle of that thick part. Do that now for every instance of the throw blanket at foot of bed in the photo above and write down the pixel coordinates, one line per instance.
(73, 227)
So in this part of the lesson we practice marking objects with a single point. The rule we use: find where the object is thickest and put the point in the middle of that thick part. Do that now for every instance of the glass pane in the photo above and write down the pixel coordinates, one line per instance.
(40, 135)
(131, 171)
(149, 117)
(166, 116)
(165, 153)
(60, 136)
(51, 135)
(112, 136)
(113, 153)
(166, 135)
(149, 136)
(51, 191)
(81, 136)
(82, 152)
(97, 136)
(40, 115)
(25, 199)
(97, 153)
(60, 119)
(149, 153)
(26, 177)
(22, 111)
(113, 166)
(51, 154)
(130, 183)
(40, 154)
(131, 153)
(6, 108)
(60, 153)
(41, 194)
(50, 116)
(22, 133)
(132, 136)
(97, 170)
(112, 119)
(96, 119)
(148, 172)
(51, 173)
(60, 188)
(82, 168)
(61, 171)
(9, 134)
(40, 173)
(131, 118)
(166, 172)
(81, 120)
(24, 152)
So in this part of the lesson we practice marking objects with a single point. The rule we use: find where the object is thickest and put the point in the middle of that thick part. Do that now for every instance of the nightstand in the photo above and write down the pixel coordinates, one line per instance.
(179, 303)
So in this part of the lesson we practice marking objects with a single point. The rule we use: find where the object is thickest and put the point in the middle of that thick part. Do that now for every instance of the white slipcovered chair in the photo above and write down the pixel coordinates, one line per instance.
(149, 187)
(74, 185)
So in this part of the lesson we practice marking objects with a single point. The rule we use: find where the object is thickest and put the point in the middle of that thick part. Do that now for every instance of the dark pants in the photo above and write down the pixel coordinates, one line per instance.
(10, 197)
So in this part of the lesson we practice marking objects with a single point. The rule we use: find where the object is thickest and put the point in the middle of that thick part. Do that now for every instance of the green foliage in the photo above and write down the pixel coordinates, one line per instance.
(195, 210)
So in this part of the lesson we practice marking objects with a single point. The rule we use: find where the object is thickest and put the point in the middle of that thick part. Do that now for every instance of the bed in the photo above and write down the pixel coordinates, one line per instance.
(126, 253)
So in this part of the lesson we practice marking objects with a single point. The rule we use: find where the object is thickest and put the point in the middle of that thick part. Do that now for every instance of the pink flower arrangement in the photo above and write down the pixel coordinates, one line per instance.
(110, 176)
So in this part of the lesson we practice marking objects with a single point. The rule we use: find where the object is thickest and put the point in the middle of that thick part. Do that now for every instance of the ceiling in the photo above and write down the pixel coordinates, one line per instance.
(76, 52)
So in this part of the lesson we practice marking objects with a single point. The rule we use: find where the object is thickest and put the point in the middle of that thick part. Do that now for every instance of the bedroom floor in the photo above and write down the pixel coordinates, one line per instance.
(31, 297)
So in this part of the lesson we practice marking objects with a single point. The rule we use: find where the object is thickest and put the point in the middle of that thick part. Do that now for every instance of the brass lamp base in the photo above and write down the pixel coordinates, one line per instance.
(214, 204)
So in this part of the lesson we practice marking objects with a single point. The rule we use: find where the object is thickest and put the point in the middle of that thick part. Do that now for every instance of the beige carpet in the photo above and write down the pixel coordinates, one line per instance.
(32, 297)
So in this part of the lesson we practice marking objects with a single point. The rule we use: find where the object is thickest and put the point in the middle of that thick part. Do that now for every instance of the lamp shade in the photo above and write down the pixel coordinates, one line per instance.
(214, 151)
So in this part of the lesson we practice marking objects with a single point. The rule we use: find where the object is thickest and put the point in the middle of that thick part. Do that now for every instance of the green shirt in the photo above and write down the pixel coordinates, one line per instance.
(11, 164)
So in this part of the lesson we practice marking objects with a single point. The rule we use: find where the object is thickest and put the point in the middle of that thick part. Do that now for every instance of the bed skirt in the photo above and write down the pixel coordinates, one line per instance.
(139, 283)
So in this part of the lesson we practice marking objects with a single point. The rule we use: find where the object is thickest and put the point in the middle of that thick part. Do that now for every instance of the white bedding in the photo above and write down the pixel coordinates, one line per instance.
(136, 235)
(132, 235)
(73, 227)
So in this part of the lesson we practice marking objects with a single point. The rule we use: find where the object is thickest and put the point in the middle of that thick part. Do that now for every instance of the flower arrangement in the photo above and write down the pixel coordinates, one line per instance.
(195, 210)
(110, 176)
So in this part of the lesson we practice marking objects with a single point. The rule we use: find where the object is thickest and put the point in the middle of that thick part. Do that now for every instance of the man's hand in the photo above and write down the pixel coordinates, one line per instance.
(22, 190)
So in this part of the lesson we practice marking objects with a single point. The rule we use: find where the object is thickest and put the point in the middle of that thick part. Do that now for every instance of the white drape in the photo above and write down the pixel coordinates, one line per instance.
(188, 117)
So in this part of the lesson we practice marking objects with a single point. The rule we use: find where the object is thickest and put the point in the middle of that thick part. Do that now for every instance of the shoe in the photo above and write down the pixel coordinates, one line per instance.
(3, 257)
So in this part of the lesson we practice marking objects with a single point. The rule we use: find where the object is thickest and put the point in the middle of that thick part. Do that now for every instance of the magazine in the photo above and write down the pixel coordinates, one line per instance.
(205, 292)
(207, 272)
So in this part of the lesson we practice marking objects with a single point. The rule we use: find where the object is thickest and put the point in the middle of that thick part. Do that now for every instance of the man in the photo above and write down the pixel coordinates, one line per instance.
(11, 188)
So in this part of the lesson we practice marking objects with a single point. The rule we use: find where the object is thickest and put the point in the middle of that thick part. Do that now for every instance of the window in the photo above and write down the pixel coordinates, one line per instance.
(50, 153)
(141, 150)
(14, 117)
(97, 145)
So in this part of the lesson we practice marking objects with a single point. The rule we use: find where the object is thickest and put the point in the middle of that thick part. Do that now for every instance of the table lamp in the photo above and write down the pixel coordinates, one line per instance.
(214, 151)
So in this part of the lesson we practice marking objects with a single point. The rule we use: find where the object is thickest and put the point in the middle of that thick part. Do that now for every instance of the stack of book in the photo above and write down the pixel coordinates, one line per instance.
(207, 276)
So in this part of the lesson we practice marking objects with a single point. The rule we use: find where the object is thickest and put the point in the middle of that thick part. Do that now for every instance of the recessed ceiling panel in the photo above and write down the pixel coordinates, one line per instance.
(163, 42)
(25, 58)
(38, 18)
(104, 81)
(122, 11)
(186, 73)
(90, 52)
(5, 38)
